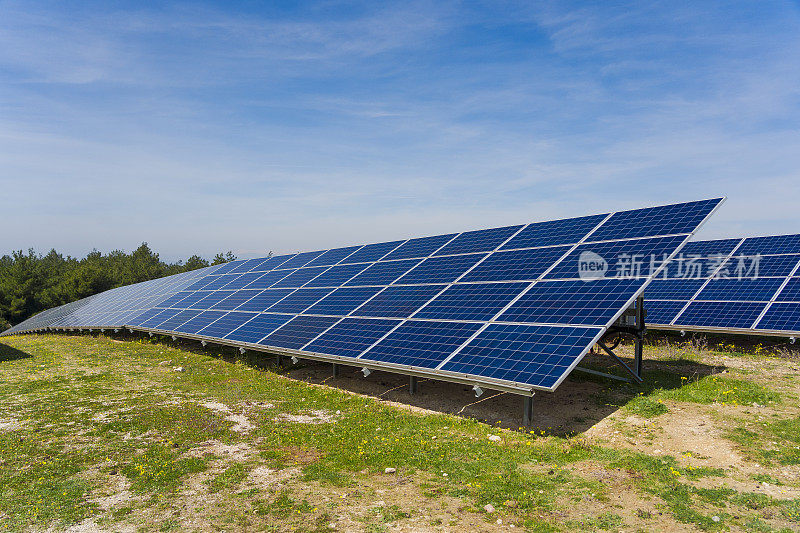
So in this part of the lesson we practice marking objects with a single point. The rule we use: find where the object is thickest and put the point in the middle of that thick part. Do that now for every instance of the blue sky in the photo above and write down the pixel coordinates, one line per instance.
(201, 127)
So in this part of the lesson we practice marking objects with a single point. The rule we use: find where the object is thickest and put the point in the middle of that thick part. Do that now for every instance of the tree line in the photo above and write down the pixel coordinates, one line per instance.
(31, 282)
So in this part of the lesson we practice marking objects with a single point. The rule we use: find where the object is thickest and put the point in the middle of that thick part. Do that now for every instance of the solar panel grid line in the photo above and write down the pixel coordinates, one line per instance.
(524, 291)
(707, 281)
(775, 296)
(470, 269)
(384, 289)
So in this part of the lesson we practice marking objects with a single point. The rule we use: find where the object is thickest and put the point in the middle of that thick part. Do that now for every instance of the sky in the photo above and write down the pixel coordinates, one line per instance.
(200, 127)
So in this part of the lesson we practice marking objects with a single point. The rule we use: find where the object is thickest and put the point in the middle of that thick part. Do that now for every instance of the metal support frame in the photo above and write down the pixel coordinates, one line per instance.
(336, 370)
(413, 385)
(637, 331)
(527, 411)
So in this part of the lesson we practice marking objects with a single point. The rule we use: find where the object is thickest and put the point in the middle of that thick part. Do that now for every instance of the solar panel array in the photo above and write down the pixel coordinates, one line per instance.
(504, 307)
(749, 285)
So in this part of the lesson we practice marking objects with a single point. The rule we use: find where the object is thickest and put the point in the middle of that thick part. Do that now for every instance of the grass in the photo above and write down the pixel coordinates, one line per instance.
(88, 419)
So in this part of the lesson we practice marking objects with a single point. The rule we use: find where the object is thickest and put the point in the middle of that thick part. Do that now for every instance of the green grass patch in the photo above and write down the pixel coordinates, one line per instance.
(159, 469)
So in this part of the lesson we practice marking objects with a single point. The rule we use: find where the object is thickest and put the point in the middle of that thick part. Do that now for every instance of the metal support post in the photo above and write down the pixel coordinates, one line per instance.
(336, 370)
(527, 412)
(413, 385)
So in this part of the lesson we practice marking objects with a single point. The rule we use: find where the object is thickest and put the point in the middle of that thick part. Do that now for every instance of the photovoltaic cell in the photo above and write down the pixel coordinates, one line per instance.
(258, 327)
(176, 320)
(440, 269)
(663, 311)
(219, 281)
(268, 279)
(566, 231)
(721, 314)
(622, 257)
(299, 277)
(421, 247)
(781, 316)
(351, 336)
(517, 265)
(331, 257)
(537, 355)
(242, 281)
(211, 299)
(301, 260)
(761, 289)
(480, 301)
(265, 299)
(299, 301)
(200, 321)
(791, 292)
(399, 302)
(342, 301)
(573, 302)
(235, 300)
(189, 301)
(776, 244)
(298, 331)
(383, 273)
(160, 317)
(229, 267)
(371, 252)
(421, 344)
(247, 266)
(673, 289)
(653, 221)
(336, 275)
(706, 248)
(225, 324)
(478, 241)
(273, 263)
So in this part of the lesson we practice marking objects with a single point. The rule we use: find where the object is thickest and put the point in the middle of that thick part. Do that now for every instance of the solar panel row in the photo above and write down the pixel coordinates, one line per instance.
(749, 284)
(500, 306)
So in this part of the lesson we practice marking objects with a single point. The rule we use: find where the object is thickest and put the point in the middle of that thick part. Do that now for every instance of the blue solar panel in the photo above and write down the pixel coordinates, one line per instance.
(299, 331)
(761, 289)
(228, 267)
(299, 277)
(219, 281)
(421, 344)
(761, 266)
(440, 269)
(371, 252)
(622, 257)
(299, 301)
(663, 311)
(673, 289)
(336, 275)
(247, 266)
(176, 320)
(331, 257)
(517, 265)
(190, 300)
(200, 321)
(573, 302)
(421, 247)
(653, 221)
(226, 324)
(235, 300)
(400, 301)
(259, 327)
(781, 316)
(421, 301)
(776, 244)
(158, 318)
(343, 301)
(211, 299)
(383, 273)
(705, 248)
(480, 301)
(566, 231)
(264, 300)
(266, 280)
(721, 314)
(791, 292)
(478, 241)
(273, 263)
(536, 355)
(301, 260)
(242, 281)
(351, 336)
